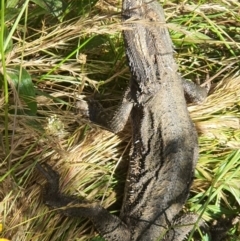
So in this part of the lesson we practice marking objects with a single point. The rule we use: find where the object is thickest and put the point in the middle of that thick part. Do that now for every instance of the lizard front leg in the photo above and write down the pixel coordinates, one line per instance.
(94, 111)
(193, 92)
(109, 226)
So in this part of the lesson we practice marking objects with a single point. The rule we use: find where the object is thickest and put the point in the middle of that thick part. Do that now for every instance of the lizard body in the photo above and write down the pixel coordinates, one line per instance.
(164, 148)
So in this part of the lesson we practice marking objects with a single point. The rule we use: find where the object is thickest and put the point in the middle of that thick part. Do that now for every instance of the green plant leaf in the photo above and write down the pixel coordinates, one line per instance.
(10, 43)
(23, 83)
(12, 3)
(98, 239)
(54, 7)
(10, 14)
(86, 5)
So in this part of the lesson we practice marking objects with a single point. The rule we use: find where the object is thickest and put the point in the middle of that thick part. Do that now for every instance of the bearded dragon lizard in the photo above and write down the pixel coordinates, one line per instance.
(164, 140)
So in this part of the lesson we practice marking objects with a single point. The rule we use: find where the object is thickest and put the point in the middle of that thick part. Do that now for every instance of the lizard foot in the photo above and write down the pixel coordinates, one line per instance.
(69, 205)
(51, 192)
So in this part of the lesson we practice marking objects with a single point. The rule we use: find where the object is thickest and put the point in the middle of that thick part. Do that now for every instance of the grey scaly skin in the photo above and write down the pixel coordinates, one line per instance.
(165, 144)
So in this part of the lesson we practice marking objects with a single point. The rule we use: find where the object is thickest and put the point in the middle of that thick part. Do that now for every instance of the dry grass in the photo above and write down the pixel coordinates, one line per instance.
(85, 55)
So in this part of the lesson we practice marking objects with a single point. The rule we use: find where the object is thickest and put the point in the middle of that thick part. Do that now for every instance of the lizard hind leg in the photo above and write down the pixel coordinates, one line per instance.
(109, 226)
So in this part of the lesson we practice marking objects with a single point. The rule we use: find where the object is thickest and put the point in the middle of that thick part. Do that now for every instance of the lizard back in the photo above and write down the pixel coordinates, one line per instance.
(165, 149)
